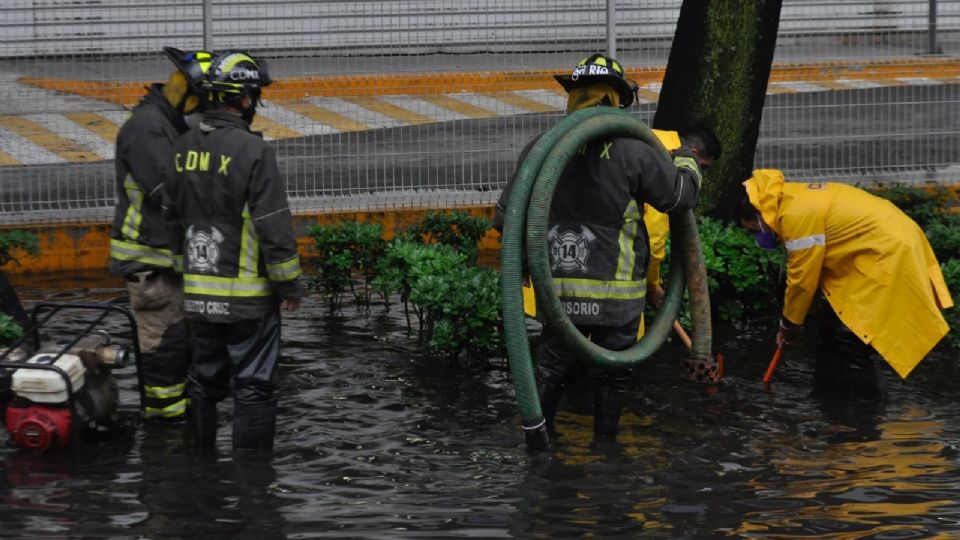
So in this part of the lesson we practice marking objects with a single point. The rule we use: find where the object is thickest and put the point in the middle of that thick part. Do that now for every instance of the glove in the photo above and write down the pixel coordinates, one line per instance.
(788, 333)
(683, 158)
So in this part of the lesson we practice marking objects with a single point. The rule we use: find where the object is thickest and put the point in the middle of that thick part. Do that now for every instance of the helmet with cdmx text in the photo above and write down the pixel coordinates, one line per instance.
(234, 74)
(600, 68)
(193, 65)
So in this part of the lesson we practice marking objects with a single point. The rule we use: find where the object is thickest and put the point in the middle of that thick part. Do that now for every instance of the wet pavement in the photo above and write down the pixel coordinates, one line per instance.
(376, 441)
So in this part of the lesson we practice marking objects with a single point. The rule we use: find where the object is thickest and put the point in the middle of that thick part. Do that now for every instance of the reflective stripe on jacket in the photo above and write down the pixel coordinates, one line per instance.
(873, 263)
(144, 151)
(228, 204)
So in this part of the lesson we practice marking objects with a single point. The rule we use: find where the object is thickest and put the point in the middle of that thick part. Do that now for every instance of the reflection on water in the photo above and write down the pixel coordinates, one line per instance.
(374, 441)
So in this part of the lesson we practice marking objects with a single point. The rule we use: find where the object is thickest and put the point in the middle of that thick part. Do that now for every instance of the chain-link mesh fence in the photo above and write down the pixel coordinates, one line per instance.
(387, 103)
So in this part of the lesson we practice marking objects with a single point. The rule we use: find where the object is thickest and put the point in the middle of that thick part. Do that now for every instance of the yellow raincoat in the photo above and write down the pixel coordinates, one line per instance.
(873, 263)
(658, 227)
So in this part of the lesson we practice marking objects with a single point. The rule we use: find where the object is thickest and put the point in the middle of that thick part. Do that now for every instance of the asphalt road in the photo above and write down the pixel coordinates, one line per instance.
(905, 133)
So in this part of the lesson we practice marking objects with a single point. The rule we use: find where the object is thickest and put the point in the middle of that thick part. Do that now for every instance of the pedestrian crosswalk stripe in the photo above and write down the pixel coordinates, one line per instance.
(400, 114)
(833, 85)
(271, 129)
(65, 149)
(523, 102)
(325, 116)
(105, 128)
(7, 159)
(117, 117)
(22, 150)
(483, 101)
(74, 132)
(362, 115)
(649, 93)
(458, 106)
(793, 87)
(555, 101)
(422, 105)
(919, 81)
(298, 123)
(858, 84)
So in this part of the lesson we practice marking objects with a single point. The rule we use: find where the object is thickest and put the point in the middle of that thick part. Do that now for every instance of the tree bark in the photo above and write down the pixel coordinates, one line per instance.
(716, 77)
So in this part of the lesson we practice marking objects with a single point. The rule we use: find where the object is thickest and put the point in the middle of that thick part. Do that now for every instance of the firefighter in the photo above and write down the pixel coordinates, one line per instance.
(598, 245)
(227, 209)
(139, 250)
(705, 146)
(874, 266)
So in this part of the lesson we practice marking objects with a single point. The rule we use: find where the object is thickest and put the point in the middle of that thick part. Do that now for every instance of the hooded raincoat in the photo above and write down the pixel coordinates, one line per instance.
(872, 262)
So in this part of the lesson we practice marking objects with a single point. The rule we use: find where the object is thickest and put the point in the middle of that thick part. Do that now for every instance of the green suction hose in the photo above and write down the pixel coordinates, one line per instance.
(529, 206)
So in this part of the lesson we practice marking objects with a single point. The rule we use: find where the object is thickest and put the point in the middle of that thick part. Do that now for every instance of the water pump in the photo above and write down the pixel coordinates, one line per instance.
(48, 396)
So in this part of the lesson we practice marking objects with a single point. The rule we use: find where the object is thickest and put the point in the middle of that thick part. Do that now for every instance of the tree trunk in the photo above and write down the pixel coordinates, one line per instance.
(716, 76)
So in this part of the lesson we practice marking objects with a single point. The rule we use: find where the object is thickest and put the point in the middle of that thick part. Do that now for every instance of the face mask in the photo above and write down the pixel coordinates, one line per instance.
(249, 113)
(766, 238)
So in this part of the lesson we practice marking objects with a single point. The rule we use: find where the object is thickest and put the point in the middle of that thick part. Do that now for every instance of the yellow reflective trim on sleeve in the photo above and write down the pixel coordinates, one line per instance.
(162, 392)
(225, 286)
(178, 263)
(286, 270)
(127, 251)
(627, 260)
(249, 247)
(599, 289)
(134, 215)
(170, 411)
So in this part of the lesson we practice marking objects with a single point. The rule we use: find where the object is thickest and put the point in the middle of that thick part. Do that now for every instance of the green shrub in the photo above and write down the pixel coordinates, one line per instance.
(347, 251)
(951, 274)
(458, 230)
(10, 331)
(13, 240)
(744, 280)
(457, 305)
(922, 205)
(944, 235)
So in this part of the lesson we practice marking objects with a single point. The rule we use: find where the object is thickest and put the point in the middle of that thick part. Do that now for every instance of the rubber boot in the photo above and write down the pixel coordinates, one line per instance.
(549, 403)
(254, 425)
(203, 416)
(607, 406)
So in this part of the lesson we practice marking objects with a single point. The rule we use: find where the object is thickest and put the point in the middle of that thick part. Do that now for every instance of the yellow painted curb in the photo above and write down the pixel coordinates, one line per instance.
(127, 93)
(86, 246)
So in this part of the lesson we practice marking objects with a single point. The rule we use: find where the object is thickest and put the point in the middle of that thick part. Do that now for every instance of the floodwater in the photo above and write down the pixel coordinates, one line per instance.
(375, 441)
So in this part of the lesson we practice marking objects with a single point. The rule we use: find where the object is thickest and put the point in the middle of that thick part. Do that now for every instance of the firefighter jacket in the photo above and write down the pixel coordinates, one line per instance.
(872, 262)
(144, 154)
(657, 225)
(227, 205)
(597, 243)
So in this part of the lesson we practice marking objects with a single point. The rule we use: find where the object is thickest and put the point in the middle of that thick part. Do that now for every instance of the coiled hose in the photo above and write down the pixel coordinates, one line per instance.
(529, 206)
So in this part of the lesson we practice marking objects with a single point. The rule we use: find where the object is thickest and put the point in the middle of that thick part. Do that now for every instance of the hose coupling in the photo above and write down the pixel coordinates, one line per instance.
(536, 435)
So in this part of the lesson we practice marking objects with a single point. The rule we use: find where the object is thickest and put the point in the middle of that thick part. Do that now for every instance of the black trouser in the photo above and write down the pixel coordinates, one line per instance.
(610, 385)
(238, 358)
(845, 364)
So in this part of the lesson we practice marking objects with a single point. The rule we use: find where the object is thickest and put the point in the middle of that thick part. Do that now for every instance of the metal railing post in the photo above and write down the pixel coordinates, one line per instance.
(612, 29)
(208, 25)
(932, 28)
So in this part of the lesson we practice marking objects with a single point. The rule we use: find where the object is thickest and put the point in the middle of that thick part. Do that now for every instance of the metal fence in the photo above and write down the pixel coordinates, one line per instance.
(386, 103)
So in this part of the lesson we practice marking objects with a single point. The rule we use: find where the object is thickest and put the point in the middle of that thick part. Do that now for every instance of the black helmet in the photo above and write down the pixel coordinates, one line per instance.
(193, 65)
(233, 74)
(600, 68)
